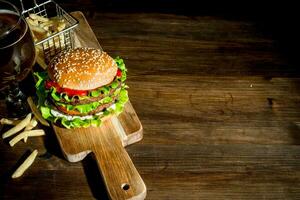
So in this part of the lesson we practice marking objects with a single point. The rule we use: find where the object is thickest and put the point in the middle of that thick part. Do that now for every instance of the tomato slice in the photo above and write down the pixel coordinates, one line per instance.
(119, 73)
(50, 84)
(69, 92)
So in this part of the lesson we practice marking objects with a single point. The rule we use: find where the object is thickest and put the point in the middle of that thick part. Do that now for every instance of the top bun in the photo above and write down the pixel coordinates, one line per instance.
(82, 69)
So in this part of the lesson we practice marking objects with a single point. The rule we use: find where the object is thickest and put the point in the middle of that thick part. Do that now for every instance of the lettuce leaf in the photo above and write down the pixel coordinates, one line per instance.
(41, 91)
(123, 98)
(95, 93)
(67, 98)
(120, 63)
(46, 112)
(114, 85)
(122, 67)
(54, 94)
(86, 108)
(95, 122)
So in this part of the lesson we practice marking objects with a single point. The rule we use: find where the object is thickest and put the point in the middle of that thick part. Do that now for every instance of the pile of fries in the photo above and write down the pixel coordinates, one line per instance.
(41, 28)
(24, 129)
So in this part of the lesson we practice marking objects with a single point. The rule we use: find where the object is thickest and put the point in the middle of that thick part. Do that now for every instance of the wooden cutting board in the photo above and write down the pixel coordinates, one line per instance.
(107, 142)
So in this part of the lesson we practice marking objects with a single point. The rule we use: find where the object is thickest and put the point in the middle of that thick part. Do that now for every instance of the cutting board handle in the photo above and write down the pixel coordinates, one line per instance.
(121, 178)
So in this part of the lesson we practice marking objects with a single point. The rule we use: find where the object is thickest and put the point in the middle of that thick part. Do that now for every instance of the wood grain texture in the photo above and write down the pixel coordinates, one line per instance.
(83, 34)
(121, 178)
(207, 133)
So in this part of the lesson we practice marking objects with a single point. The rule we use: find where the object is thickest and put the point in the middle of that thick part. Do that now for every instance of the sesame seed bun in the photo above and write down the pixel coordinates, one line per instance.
(82, 69)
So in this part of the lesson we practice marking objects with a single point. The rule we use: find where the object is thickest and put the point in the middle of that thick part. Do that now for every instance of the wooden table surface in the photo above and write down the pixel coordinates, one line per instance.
(219, 103)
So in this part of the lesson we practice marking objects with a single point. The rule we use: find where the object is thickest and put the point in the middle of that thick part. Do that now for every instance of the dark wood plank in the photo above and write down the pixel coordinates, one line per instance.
(219, 171)
(219, 103)
(171, 44)
(176, 172)
(193, 109)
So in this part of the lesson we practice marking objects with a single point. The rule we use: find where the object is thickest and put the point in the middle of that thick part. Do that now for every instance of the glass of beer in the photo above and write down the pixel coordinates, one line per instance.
(17, 57)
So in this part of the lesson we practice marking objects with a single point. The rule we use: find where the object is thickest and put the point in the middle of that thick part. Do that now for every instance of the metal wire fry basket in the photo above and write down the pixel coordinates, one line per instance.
(58, 41)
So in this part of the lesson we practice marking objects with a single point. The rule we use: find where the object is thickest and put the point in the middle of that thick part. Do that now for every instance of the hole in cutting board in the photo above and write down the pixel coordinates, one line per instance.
(125, 186)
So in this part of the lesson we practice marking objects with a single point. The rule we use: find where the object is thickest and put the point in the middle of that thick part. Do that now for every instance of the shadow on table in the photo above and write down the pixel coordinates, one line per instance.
(51, 145)
(94, 178)
(89, 164)
(294, 132)
(6, 176)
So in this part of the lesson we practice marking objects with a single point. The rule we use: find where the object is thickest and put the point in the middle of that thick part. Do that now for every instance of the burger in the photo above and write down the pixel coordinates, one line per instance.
(81, 87)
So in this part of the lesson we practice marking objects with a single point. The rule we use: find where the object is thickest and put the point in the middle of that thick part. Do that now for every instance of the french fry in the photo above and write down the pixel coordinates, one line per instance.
(18, 127)
(38, 18)
(61, 26)
(35, 39)
(33, 123)
(34, 36)
(47, 24)
(22, 135)
(40, 60)
(25, 165)
(32, 22)
(37, 29)
(9, 78)
(46, 28)
(9, 122)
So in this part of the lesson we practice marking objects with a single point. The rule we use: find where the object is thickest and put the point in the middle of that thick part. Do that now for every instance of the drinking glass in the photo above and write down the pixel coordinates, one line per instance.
(17, 57)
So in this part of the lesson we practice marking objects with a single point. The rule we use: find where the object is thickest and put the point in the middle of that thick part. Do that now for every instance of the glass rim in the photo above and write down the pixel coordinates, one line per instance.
(20, 19)
(16, 24)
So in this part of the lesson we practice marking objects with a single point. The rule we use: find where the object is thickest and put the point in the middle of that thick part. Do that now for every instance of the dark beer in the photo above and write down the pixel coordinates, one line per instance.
(17, 57)
(17, 52)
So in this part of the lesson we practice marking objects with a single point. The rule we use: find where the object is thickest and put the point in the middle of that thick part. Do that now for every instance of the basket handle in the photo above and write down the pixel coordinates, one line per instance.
(23, 8)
